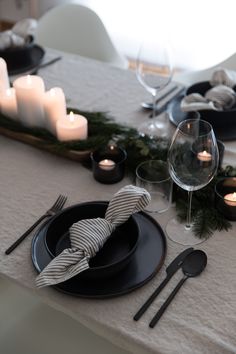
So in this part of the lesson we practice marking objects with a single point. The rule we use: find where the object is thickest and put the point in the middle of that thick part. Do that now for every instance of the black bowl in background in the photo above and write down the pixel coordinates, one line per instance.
(116, 252)
(218, 119)
(18, 56)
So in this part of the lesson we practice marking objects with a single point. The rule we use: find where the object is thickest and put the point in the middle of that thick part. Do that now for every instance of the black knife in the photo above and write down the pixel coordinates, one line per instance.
(170, 271)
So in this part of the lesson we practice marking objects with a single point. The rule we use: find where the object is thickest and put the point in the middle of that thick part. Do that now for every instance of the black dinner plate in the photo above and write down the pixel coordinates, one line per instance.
(17, 65)
(224, 132)
(145, 263)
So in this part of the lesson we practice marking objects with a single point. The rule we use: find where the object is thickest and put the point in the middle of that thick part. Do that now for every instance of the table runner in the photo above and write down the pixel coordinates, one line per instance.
(202, 318)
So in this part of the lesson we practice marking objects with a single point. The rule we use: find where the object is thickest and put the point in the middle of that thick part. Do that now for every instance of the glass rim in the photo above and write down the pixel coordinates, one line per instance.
(195, 120)
(147, 180)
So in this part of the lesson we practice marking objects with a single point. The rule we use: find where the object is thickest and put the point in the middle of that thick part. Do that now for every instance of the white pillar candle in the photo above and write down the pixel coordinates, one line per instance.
(4, 79)
(54, 104)
(29, 96)
(72, 127)
(8, 103)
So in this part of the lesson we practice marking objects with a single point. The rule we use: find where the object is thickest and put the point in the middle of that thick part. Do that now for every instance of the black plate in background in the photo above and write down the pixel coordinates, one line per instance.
(18, 65)
(223, 131)
(145, 263)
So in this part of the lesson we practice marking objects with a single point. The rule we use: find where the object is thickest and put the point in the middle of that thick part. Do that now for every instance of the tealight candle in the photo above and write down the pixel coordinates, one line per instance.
(225, 197)
(230, 199)
(8, 103)
(29, 96)
(107, 164)
(54, 105)
(204, 156)
(72, 127)
(4, 79)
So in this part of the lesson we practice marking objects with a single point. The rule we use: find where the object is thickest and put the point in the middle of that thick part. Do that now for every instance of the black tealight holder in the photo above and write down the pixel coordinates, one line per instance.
(109, 164)
(225, 204)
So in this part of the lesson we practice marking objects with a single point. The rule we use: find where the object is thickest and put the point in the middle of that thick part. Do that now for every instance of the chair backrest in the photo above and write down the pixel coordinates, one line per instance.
(77, 29)
(191, 77)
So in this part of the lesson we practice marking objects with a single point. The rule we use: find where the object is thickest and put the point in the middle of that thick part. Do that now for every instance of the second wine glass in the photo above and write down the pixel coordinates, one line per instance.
(154, 70)
(193, 161)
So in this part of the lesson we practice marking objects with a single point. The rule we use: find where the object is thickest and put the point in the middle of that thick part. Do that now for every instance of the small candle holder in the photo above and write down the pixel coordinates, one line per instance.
(225, 199)
(109, 164)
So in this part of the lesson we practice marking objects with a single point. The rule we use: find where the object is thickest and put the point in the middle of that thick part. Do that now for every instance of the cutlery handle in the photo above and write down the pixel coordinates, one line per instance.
(166, 303)
(25, 234)
(43, 65)
(150, 299)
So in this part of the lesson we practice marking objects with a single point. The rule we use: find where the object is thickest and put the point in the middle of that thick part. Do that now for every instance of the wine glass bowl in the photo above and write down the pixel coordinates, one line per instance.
(193, 161)
(154, 71)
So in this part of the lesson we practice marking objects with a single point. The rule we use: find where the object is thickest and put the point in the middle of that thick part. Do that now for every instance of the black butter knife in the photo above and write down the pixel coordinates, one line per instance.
(170, 271)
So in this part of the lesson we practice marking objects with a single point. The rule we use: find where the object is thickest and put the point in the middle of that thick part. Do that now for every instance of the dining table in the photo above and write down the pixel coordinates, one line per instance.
(202, 317)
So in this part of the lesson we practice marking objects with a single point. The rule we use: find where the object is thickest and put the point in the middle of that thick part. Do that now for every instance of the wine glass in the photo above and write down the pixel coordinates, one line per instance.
(154, 71)
(193, 160)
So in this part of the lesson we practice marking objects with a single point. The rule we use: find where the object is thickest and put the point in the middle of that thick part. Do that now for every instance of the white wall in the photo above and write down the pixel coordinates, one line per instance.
(202, 32)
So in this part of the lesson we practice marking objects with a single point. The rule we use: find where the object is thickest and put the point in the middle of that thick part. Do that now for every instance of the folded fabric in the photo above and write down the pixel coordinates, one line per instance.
(88, 236)
(223, 77)
(220, 97)
(20, 34)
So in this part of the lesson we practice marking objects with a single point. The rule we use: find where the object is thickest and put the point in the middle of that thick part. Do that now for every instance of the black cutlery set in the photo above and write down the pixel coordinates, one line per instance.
(192, 262)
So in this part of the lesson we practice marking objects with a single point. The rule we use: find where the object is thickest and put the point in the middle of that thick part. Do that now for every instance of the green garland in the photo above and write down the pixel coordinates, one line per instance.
(103, 130)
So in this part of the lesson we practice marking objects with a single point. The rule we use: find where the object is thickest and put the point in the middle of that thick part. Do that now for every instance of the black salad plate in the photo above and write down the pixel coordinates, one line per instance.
(145, 263)
(223, 131)
(21, 63)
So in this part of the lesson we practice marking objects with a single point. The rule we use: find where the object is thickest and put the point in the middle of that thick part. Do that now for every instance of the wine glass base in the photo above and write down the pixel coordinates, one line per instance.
(178, 233)
(155, 127)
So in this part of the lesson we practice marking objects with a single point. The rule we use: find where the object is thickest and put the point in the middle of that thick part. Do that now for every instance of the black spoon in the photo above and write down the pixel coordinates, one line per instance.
(192, 266)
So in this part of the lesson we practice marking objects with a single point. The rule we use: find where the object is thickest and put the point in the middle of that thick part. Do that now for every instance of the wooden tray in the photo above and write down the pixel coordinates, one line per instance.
(42, 144)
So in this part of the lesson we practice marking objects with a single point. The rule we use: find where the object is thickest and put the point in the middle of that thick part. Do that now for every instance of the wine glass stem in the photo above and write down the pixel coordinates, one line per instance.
(188, 224)
(153, 105)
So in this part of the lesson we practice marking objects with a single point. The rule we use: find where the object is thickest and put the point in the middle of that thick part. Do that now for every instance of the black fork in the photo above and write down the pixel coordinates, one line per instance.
(57, 206)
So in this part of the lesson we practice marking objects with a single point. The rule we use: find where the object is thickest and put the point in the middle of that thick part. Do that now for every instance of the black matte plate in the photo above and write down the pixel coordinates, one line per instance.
(18, 66)
(224, 132)
(145, 263)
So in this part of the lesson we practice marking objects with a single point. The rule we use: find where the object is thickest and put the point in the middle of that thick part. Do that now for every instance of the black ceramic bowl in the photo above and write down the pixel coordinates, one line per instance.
(18, 56)
(116, 252)
(217, 119)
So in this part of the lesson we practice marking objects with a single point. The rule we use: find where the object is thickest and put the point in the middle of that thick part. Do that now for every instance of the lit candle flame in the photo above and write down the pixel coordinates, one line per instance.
(8, 92)
(71, 117)
(29, 81)
(52, 92)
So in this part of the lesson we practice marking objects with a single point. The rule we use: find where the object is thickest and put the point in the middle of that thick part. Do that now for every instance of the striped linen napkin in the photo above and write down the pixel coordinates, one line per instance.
(219, 98)
(88, 236)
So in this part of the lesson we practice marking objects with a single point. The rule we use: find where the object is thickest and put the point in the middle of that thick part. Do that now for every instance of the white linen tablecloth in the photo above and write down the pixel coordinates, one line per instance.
(202, 318)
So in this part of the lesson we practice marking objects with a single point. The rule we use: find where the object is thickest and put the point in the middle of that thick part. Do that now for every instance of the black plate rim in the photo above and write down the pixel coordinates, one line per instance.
(34, 64)
(112, 293)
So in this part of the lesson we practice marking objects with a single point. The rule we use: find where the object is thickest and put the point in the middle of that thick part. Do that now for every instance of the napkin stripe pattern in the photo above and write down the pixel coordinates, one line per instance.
(88, 236)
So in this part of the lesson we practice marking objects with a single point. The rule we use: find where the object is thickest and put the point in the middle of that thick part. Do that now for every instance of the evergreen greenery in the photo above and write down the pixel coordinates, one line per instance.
(103, 130)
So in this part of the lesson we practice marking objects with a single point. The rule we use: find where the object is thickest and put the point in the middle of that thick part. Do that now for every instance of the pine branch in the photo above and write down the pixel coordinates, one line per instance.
(102, 130)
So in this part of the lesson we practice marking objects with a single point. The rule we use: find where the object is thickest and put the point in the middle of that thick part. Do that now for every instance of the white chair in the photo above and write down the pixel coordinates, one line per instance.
(191, 77)
(77, 29)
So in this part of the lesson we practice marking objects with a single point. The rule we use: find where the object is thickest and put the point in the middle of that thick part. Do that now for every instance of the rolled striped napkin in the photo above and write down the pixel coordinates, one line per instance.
(220, 97)
(88, 236)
